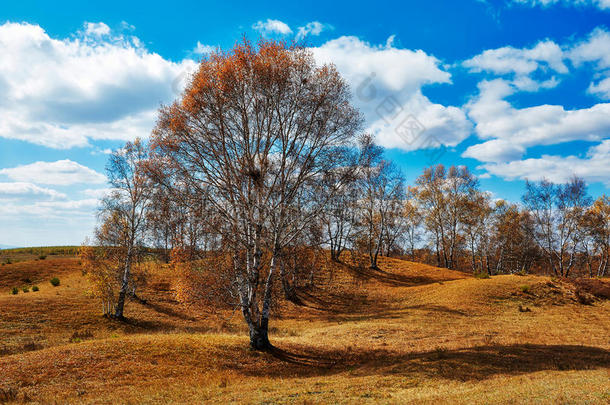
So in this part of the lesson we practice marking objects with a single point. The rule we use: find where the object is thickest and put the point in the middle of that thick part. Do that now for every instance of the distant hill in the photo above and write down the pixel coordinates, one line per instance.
(7, 247)
(40, 250)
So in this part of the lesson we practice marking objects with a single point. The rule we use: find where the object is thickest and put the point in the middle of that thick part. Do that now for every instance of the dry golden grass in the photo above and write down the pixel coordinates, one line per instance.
(32, 272)
(409, 333)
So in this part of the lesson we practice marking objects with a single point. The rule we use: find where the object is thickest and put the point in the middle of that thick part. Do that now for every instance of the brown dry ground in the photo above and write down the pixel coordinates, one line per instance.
(410, 333)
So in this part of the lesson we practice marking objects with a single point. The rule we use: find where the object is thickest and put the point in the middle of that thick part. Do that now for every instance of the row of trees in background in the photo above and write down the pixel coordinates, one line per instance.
(260, 168)
(447, 220)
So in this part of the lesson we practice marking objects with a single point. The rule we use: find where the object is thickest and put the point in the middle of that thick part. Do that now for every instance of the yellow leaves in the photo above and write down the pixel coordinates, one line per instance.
(223, 74)
(601, 206)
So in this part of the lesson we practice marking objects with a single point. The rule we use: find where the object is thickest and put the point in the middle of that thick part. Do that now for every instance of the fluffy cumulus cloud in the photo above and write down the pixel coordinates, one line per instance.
(62, 172)
(100, 85)
(595, 48)
(21, 190)
(98, 193)
(203, 49)
(63, 211)
(543, 65)
(47, 223)
(314, 28)
(97, 29)
(595, 167)
(62, 93)
(595, 51)
(272, 27)
(543, 60)
(29, 208)
(602, 4)
(387, 85)
(519, 61)
(508, 132)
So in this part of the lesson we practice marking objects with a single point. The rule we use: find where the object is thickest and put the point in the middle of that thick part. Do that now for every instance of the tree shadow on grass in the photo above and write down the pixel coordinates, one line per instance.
(485, 361)
(462, 364)
(139, 325)
(302, 359)
(172, 322)
(401, 277)
(355, 306)
(393, 279)
(165, 310)
(333, 301)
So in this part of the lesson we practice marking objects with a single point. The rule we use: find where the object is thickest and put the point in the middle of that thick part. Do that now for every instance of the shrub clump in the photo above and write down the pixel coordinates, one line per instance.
(481, 275)
(42, 257)
(15, 291)
(35, 288)
(54, 281)
(26, 289)
(525, 288)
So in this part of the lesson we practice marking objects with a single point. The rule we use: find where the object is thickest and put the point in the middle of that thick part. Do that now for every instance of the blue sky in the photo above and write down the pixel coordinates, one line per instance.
(513, 89)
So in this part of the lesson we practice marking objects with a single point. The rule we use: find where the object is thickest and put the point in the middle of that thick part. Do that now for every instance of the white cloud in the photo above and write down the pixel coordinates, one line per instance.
(127, 27)
(602, 4)
(97, 192)
(545, 59)
(100, 151)
(511, 131)
(202, 49)
(535, 68)
(64, 93)
(393, 68)
(595, 50)
(62, 172)
(19, 190)
(508, 132)
(387, 82)
(312, 28)
(496, 150)
(595, 167)
(271, 27)
(51, 209)
(86, 204)
(61, 93)
(96, 29)
(601, 88)
(545, 54)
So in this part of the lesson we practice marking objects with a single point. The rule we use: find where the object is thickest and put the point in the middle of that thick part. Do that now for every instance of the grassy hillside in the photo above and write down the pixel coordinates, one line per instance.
(407, 333)
(8, 256)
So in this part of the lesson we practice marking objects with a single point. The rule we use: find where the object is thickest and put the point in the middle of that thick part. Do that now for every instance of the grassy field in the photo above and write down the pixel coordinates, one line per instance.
(9, 256)
(409, 333)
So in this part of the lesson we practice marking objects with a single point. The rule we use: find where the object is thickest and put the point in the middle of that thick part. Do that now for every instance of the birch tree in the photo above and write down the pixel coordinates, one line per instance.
(381, 202)
(257, 129)
(122, 215)
(443, 195)
(597, 238)
(413, 218)
(557, 211)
